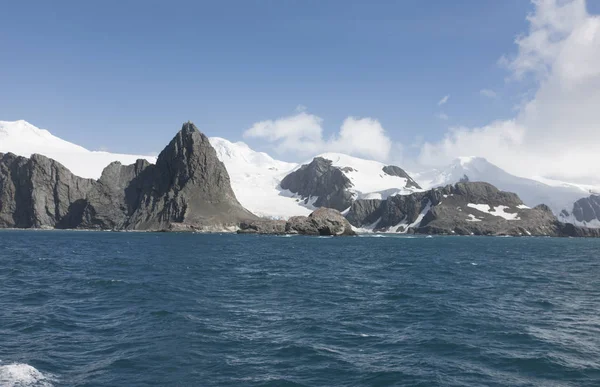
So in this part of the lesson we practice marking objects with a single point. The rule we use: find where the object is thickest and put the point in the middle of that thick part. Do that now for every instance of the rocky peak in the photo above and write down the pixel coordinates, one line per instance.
(480, 192)
(188, 189)
(320, 179)
(393, 170)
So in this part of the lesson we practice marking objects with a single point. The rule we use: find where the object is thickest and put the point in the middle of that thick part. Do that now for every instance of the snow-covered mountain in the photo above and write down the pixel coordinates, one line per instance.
(557, 195)
(256, 176)
(24, 139)
(368, 177)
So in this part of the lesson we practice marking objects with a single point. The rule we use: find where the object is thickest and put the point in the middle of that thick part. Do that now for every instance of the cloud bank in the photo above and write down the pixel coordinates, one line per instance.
(557, 132)
(488, 93)
(302, 134)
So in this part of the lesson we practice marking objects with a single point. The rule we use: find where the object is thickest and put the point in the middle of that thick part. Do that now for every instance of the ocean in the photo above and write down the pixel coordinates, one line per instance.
(168, 309)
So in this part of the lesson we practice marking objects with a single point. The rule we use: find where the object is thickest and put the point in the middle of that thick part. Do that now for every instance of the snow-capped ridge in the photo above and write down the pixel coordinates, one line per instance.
(368, 177)
(24, 139)
(532, 192)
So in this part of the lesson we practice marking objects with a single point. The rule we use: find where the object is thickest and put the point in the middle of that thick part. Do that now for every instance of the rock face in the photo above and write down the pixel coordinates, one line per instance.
(465, 209)
(323, 221)
(585, 210)
(188, 185)
(393, 170)
(187, 189)
(37, 191)
(320, 180)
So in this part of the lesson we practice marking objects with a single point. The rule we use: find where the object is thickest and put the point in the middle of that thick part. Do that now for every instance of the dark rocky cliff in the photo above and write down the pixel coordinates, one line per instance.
(187, 189)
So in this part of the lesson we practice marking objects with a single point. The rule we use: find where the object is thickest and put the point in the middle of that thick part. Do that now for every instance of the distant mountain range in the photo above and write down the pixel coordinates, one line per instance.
(279, 190)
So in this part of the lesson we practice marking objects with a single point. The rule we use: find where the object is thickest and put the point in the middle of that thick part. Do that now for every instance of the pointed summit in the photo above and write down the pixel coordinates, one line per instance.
(189, 186)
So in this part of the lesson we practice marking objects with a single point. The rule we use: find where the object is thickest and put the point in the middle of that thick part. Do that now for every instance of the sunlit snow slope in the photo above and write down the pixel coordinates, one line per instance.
(367, 176)
(255, 178)
(24, 139)
(557, 196)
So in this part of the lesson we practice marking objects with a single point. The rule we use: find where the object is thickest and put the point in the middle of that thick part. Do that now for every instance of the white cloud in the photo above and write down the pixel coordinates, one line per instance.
(443, 116)
(488, 93)
(444, 100)
(302, 135)
(557, 132)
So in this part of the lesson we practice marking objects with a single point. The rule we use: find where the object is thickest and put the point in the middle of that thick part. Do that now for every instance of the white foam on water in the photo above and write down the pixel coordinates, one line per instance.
(23, 375)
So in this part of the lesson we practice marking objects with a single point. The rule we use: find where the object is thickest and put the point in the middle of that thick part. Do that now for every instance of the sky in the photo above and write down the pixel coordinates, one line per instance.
(411, 82)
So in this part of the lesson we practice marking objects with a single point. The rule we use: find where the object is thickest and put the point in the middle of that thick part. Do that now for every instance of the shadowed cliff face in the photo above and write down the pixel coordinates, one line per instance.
(188, 185)
(188, 188)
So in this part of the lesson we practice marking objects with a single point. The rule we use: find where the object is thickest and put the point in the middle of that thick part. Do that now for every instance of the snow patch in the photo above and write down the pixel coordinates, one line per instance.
(594, 223)
(472, 218)
(497, 211)
(366, 229)
(416, 223)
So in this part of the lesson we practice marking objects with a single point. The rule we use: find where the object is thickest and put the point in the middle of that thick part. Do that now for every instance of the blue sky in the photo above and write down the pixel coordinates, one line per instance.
(124, 75)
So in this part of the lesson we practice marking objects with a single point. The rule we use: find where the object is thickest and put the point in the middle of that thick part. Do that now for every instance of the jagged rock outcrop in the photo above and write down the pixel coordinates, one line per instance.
(187, 189)
(263, 226)
(188, 185)
(393, 170)
(37, 192)
(323, 221)
(322, 180)
(465, 208)
(585, 211)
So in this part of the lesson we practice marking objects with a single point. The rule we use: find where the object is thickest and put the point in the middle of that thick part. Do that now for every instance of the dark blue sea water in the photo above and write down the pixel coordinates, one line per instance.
(142, 309)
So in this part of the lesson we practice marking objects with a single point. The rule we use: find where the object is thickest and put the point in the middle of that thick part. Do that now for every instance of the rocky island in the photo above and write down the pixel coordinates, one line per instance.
(189, 189)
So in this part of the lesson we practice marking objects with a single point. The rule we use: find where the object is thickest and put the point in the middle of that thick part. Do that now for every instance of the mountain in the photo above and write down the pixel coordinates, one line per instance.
(187, 189)
(321, 184)
(557, 196)
(468, 208)
(336, 180)
(264, 185)
(23, 139)
(279, 190)
(585, 212)
(371, 179)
